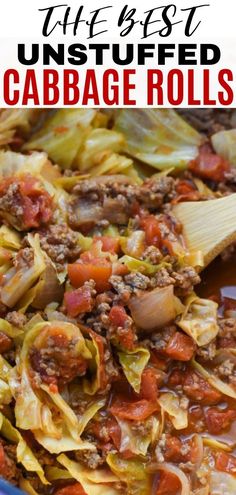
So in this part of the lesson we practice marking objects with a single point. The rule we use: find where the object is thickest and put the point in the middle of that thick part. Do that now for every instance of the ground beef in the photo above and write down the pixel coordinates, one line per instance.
(23, 203)
(116, 200)
(209, 120)
(123, 290)
(10, 205)
(227, 332)
(226, 368)
(24, 258)
(186, 278)
(57, 361)
(16, 319)
(60, 243)
(137, 280)
(92, 459)
(207, 352)
(153, 255)
(156, 191)
(162, 278)
(159, 340)
(8, 467)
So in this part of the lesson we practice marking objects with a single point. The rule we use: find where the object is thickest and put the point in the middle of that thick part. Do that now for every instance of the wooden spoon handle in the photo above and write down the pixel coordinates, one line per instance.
(208, 226)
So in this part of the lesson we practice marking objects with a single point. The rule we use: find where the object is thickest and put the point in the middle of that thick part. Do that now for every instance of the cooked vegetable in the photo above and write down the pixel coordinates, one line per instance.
(19, 278)
(218, 384)
(158, 137)
(116, 378)
(224, 143)
(171, 404)
(199, 320)
(133, 364)
(138, 444)
(62, 135)
(154, 309)
(94, 483)
(24, 453)
(98, 270)
(208, 165)
(132, 473)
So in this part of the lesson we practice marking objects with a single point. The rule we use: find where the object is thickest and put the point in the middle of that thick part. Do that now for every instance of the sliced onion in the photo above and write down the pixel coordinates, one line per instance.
(154, 309)
(171, 468)
(114, 211)
(86, 212)
(50, 290)
(198, 450)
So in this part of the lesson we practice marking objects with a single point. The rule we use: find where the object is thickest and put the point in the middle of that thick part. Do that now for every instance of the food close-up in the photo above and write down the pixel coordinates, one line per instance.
(118, 301)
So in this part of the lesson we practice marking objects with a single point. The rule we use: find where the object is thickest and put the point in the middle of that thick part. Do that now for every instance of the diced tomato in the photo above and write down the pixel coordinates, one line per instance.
(99, 271)
(78, 301)
(217, 420)
(199, 390)
(118, 316)
(75, 489)
(119, 269)
(196, 418)
(136, 411)
(173, 449)
(127, 338)
(208, 165)
(169, 484)
(225, 462)
(35, 202)
(186, 192)
(109, 244)
(152, 231)
(180, 347)
(149, 385)
(176, 378)
(158, 362)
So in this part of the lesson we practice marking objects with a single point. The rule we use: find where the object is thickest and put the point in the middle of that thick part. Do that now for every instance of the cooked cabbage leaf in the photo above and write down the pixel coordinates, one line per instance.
(24, 453)
(98, 146)
(62, 135)
(223, 387)
(224, 143)
(132, 473)
(20, 279)
(93, 481)
(160, 138)
(170, 403)
(199, 320)
(15, 119)
(138, 443)
(133, 364)
(142, 266)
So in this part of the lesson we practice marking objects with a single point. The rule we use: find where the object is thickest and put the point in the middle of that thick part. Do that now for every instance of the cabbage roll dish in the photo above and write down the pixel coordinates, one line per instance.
(117, 346)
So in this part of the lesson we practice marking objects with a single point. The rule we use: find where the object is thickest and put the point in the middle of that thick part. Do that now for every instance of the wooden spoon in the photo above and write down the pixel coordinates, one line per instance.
(208, 226)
